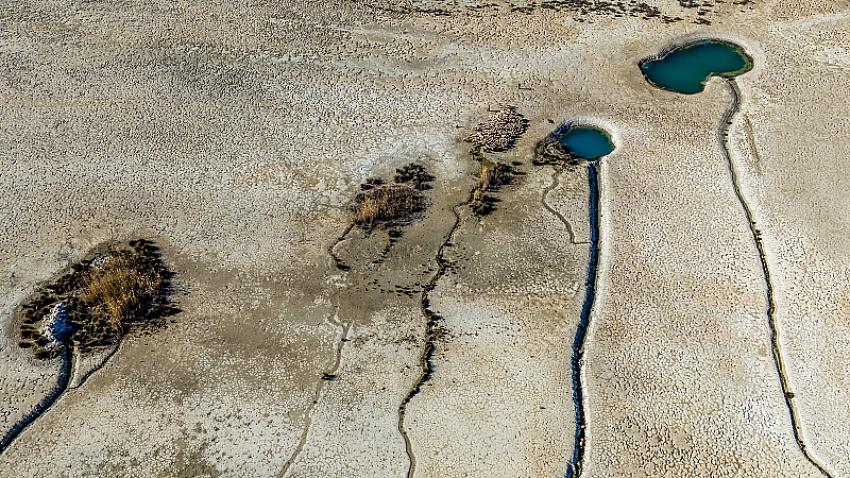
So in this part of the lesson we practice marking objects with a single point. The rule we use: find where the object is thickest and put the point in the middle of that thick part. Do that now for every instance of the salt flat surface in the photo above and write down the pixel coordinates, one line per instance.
(234, 134)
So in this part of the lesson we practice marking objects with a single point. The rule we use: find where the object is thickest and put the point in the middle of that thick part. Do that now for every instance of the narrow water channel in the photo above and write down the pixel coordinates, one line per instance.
(591, 144)
(63, 380)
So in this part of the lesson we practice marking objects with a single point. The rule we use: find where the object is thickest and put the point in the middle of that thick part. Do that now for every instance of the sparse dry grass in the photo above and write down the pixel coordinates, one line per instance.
(119, 287)
(486, 176)
(116, 288)
(490, 177)
(385, 203)
(500, 132)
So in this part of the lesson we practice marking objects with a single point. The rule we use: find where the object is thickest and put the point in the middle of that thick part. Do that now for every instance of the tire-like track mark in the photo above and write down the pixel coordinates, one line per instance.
(338, 262)
(751, 140)
(328, 376)
(556, 175)
(722, 137)
(425, 361)
(77, 381)
(65, 371)
(577, 364)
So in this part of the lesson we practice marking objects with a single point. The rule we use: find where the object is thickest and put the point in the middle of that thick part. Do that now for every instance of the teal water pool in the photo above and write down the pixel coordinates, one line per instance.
(687, 68)
(587, 142)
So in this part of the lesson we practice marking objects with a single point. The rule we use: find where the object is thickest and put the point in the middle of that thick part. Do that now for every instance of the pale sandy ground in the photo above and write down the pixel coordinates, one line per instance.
(501, 381)
(232, 133)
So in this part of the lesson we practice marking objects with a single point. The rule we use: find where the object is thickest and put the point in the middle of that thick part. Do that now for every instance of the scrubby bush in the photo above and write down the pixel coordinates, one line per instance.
(119, 288)
(386, 204)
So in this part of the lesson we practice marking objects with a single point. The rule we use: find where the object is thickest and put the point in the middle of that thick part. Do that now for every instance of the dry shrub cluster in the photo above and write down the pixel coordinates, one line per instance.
(550, 151)
(499, 132)
(120, 287)
(392, 204)
(491, 177)
(386, 204)
(415, 175)
(117, 287)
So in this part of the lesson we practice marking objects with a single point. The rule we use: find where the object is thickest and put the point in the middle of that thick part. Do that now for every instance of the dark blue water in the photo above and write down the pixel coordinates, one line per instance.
(587, 142)
(687, 68)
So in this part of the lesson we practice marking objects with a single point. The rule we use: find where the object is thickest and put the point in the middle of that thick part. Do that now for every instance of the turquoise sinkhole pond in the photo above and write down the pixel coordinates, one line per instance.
(587, 142)
(687, 68)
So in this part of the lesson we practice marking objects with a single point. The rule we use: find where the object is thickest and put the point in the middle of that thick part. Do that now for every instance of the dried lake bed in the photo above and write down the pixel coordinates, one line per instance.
(314, 337)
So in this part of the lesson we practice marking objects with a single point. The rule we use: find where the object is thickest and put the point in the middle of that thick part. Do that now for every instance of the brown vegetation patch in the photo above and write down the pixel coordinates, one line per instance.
(500, 132)
(116, 288)
(551, 151)
(490, 178)
(391, 205)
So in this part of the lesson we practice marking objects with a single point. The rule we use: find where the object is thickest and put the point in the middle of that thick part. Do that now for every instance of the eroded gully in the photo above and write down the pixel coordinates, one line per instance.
(327, 376)
(66, 368)
(431, 331)
(576, 465)
(722, 138)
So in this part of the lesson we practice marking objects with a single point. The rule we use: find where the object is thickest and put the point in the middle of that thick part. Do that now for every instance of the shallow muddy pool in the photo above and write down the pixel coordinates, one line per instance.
(687, 68)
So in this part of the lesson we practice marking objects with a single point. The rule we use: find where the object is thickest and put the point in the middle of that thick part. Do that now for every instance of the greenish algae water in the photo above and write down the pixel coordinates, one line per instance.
(587, 142)
(687, 68)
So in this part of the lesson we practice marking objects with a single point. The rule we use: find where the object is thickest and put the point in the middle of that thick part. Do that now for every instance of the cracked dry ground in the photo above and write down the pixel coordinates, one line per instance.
(234, 134)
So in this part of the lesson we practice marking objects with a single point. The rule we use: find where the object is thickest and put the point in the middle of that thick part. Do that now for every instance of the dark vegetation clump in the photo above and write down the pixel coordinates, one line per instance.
(117, 288)
(371, 183)
(490, 178)
(385, 204)
(392, 205)
(414, 174)
(550, 151)
(500, 132)
(580, 10)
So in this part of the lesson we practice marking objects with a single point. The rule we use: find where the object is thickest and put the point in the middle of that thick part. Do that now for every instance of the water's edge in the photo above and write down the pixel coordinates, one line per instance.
(660, 56)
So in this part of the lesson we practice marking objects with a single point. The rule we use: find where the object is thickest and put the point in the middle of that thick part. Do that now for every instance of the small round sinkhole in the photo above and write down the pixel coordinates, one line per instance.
(587, 142)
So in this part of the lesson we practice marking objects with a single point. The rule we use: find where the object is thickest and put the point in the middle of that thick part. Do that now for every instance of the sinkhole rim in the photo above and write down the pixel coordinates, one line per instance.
(685, 43)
